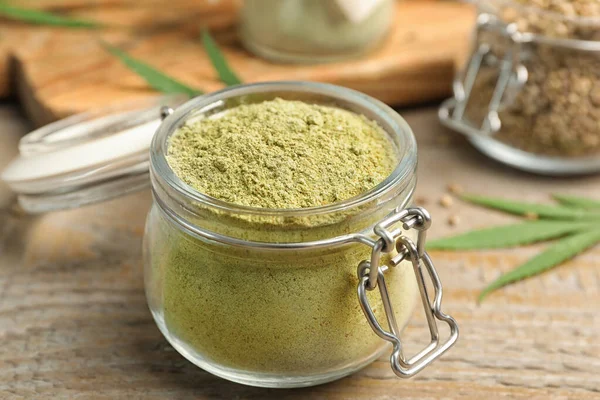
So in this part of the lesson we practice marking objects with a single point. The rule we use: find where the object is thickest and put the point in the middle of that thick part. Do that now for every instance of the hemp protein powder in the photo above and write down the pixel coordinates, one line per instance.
(282, 154)
(276, 312)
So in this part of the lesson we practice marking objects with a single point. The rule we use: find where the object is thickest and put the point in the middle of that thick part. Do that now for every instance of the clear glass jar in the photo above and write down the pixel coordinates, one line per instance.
(275, 298)
(268, 297)
(312, 31)
(529, 95)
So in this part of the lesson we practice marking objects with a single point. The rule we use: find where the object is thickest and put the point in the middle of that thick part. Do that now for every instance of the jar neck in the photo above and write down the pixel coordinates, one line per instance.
(196, 211)
(308, 230)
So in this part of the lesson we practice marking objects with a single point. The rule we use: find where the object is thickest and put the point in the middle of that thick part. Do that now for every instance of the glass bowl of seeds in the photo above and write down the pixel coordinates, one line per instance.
(529, 94)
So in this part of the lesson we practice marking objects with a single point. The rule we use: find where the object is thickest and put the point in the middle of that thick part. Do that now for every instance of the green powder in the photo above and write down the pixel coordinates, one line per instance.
(289, 313)
(282, 154)
(293, 313)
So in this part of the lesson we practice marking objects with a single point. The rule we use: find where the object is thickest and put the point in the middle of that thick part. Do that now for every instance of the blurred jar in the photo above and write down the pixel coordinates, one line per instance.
(312, 31)
(529, 95)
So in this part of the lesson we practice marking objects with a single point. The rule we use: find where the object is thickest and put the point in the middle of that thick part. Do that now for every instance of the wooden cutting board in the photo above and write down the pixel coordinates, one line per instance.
(57, 71)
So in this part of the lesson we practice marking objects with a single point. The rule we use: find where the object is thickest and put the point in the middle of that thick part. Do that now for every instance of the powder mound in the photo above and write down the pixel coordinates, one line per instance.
(282, 154)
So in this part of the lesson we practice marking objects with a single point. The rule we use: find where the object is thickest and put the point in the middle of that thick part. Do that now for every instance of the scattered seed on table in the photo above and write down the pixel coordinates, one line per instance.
(446, 201)
(455, 188)
(421, 200)
(453, 220)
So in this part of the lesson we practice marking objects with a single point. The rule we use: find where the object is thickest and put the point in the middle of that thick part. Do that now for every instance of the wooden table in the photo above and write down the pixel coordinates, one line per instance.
(74, 321)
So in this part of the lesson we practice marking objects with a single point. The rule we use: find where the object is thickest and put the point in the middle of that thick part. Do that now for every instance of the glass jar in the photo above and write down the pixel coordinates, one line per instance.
(268, 297)
(529, 95)
(312, 31)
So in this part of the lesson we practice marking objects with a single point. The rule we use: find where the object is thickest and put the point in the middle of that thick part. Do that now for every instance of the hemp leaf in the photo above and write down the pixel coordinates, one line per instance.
(167, 84)
(577, 202)
(509, 235)
(563, 250)
(151, 75)
(576, 224)
(44, 18)
(540, 210)
(218, 60)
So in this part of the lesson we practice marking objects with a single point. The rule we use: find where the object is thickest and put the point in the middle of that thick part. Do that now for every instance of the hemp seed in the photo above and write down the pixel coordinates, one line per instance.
(455, 188)
(453, 220)
(446, 201)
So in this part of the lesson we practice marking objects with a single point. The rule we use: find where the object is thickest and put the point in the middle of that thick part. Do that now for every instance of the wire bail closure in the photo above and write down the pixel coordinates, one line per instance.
(371, 275)
(511, 74)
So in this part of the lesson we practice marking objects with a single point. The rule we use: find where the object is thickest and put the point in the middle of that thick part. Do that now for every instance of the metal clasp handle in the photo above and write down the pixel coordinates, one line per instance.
(371, 275)
(510, 73)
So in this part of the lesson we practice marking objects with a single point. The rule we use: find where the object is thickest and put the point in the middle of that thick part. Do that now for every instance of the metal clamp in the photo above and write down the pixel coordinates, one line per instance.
(371, 275)
(511, 73)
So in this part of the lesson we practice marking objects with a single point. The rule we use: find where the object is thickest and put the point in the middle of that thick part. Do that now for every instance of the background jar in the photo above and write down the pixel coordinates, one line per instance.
(268, 297)
(309, 31)
(529, 94)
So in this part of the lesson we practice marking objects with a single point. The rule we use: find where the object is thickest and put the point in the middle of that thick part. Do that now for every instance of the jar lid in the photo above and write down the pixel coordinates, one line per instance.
(87, 158)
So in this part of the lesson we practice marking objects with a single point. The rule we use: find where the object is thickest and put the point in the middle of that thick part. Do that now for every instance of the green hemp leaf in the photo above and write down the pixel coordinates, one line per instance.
(218, 61)
(44, 18)
(151, 75)
(575, 221)
(167, 84)
(556, 254)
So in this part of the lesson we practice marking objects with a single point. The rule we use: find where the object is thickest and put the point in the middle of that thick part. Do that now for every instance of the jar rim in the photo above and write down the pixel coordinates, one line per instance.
(400, 176)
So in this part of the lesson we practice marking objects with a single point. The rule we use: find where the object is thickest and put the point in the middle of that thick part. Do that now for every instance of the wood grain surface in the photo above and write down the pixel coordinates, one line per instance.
(58, 71)
(74, 322)
(26, 41)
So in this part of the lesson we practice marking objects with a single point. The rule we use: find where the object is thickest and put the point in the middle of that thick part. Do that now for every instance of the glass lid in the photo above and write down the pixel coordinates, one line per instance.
(87, 158)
